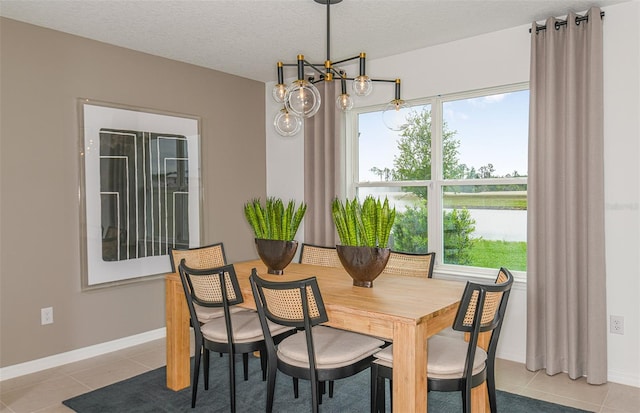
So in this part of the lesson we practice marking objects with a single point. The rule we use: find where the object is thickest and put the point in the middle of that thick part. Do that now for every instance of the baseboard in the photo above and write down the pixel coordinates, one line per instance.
(56, 360)
(623, 378)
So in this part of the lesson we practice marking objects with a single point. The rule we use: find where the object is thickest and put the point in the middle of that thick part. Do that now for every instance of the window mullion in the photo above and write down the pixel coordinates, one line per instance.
(434, 206)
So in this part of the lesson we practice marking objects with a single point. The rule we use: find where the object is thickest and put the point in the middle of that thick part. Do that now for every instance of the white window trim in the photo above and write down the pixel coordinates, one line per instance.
(434, 185)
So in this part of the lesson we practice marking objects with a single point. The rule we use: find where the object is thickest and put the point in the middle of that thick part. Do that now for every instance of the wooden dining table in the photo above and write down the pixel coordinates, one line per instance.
(405, 310)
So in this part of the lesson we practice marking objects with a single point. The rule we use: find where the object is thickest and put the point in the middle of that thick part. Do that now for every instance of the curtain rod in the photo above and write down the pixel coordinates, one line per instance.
(564, 22)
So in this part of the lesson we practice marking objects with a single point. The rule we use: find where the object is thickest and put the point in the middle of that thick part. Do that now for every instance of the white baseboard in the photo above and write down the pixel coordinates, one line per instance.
(56, 360)
(623, 378)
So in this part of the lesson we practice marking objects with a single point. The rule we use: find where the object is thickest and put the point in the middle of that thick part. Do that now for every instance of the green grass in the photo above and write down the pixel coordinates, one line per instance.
(496, 254)
(488, 200)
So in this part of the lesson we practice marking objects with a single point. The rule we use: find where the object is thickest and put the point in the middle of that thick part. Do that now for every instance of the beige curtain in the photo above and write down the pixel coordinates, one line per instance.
(566, 304)
(322, 167)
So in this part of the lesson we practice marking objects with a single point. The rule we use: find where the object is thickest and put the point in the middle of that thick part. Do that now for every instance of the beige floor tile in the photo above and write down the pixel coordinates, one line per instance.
(43, 394)
(606, 409)
(108, 374)
(91, 363)
(155, 345)
(561, 384)
(151, 359)
(565, 401)
(623, 398)
(58, 408)
(29, 379)
(510, 374)
(5, 409)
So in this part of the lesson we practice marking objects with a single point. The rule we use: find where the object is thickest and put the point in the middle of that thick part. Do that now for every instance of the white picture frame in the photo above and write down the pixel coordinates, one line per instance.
(140, 191)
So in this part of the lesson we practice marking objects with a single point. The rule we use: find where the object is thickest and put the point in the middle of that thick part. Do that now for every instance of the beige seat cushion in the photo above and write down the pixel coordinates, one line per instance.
(445, 360)
(333, 348)
(246, 328)
(205, 314)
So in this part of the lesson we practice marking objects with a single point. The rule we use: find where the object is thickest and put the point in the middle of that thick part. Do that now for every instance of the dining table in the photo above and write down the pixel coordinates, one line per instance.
(401, 309)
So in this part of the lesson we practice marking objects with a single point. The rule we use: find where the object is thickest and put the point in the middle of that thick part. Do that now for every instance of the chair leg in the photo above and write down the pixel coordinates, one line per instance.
(377, 390)
(245, 365)
(315, 387)
(466, 400)
(196, 374)
(232, 381)
(295, 388)
(272, 368)
(374, 388)
(205, 359)
(263, 364)
(491, 388)
(331, 389)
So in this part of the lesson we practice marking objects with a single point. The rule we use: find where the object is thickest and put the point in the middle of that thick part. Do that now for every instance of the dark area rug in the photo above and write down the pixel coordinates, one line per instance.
(148, 393)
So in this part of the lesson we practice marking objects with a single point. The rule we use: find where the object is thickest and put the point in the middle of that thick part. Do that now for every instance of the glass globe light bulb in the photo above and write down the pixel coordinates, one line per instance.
(287, 124)
(303, 99)
(279, 92)
(395, 114)
(344, 102)
(362, 85)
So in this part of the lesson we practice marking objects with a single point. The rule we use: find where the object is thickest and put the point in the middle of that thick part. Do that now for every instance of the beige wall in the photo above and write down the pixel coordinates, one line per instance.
(42, 72)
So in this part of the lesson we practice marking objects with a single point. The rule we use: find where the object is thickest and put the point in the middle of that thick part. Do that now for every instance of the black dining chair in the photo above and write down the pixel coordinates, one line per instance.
(316, 353)
(235, 332)
(454, 364)
(207, 256)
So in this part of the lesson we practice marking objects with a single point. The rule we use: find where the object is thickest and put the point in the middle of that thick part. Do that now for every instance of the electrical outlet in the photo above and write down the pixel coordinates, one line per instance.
(616, 324)
(46, 315)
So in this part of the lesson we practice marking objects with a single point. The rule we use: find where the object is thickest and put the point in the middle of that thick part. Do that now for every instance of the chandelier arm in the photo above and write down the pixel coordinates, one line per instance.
(314, 67)
(346, 60)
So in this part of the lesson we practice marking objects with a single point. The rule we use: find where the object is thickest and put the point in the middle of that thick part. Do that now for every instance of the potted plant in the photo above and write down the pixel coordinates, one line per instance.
(364, 231)
(274, 227)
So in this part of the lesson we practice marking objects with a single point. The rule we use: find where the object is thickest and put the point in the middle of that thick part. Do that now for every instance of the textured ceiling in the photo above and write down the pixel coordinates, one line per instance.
(248, 37)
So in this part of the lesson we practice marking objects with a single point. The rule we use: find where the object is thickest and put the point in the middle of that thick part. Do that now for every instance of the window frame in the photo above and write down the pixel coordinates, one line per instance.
(435, 184)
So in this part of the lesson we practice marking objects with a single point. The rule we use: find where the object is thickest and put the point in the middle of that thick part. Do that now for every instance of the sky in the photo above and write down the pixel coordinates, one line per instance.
(491, 129)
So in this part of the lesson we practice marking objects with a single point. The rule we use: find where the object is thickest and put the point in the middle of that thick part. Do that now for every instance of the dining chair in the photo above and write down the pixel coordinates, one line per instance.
(316, 353)
(326, 257)
(454, 364)
(235, 332)
(319, 255)
(208, 256)
(409, 264)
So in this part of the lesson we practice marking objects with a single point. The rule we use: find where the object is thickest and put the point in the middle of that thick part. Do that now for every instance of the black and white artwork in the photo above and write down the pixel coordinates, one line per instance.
(141, 191)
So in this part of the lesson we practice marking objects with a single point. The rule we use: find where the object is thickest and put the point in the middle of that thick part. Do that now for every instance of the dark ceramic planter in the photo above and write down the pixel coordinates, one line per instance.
(363, 264)
(276, 254)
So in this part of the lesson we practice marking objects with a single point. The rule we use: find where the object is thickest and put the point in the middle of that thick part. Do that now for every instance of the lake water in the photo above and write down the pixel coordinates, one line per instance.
(500, 225)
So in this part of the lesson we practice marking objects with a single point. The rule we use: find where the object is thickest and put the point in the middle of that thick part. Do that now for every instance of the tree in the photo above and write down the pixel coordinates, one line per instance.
(414, 160)
(414, 163)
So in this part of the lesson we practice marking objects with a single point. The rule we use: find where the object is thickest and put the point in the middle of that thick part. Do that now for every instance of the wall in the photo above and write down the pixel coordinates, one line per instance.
(42, 72)
(502, 58)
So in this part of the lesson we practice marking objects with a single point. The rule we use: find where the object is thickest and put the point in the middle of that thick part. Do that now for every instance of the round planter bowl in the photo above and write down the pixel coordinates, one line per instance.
(363, 264)
(276, 254)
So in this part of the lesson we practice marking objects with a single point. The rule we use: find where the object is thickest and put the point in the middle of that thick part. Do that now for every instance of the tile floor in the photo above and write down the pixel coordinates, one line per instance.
(43, 392)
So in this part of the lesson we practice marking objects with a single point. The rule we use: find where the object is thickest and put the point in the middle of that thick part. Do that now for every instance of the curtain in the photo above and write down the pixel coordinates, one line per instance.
(566, 303)
(322, 167)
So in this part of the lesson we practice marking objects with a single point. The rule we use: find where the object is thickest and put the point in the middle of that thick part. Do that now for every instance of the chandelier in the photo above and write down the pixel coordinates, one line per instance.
(301, 99)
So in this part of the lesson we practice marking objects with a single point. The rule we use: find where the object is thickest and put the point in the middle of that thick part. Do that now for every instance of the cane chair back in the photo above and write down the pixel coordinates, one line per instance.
(319, 255)
(210, 256)
(411, 265)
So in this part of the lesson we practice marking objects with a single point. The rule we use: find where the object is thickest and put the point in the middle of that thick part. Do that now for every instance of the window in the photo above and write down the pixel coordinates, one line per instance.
(457, 175)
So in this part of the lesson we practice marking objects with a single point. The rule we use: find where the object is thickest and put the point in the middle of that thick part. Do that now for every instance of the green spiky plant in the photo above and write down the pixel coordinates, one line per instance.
(272, 220)
(368, 224)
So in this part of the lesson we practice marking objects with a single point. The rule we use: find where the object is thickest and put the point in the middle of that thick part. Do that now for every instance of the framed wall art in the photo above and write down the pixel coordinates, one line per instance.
(139, 191)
